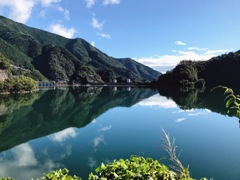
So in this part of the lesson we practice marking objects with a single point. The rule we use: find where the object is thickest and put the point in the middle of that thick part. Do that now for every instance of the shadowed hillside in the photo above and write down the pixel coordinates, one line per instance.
(220, 70)
(199, 99)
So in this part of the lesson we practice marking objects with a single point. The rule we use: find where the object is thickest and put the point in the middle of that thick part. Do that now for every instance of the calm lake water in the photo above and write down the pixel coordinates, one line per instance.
(80, 128)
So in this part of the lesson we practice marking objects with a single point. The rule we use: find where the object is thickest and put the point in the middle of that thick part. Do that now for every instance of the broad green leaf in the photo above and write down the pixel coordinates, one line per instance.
(103, 167)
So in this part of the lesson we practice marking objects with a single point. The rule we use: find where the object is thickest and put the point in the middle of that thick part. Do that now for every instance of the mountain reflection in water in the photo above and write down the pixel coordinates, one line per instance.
(30, 116)
(198, 99)
(81, 128)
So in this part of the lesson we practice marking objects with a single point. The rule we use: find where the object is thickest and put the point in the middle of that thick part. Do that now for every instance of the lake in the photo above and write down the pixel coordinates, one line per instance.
(78, 128)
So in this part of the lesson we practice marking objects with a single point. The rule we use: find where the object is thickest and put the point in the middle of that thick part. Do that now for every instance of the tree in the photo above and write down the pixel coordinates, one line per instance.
(4, 63)
(18, 84)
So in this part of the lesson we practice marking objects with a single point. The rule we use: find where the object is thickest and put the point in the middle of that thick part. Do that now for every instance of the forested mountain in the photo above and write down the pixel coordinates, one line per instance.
(59, 58)
(208, 98)
(24, 113)
(220, 70)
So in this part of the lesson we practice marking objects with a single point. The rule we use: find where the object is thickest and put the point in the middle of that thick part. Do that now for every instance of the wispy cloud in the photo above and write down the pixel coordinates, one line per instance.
(108, 2)
(96, 24)
(64, 11)
(213, 52)
(106, 128)
(92, 163)
(180, 120)
(183, 111)
(90, 3)
(62, 30)
(63, 135)
(158, 101)
(42, 13)
(47, 3)
(167, 62)
(197, 114)
(180, 43)
(103, 35)
(97, 141)
(197, 49)
(66, 153)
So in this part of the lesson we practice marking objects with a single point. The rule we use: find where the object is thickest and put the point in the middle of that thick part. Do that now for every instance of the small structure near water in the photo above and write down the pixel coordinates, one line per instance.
(129, 81)
(46, 84)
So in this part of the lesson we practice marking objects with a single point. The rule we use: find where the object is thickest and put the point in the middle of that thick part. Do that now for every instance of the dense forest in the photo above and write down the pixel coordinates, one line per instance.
(13, 84)
(220, 70)
(50, 56)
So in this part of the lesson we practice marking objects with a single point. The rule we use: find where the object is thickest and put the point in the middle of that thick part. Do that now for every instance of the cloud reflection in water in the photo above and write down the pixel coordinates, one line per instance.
(21, 163)
(158, 101)
(64, 135)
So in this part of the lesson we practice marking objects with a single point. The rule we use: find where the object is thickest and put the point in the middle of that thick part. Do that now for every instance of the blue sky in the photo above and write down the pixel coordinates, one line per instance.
(157, 33)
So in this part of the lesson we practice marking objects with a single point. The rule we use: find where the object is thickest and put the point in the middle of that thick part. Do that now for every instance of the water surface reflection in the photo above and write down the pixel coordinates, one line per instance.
(80, 128)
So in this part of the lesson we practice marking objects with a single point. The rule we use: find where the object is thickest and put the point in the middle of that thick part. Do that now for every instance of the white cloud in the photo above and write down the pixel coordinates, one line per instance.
(107, 128)
(182, 111)
(197, 49)
(96, 24)
(47, 3)
(19, 10)
(208, 110)
(93, 43)
(180, 43)
(92, 163)
(103, 35)
(63, 135)
(62, 30)
(42, 13)
(23, 163)
(108, 2)
(90, 3)
(168, 62)
(180, 120)
(67, 153)
(64, 11)
(188, 110)
(213, 52)
(24, 155)
(58, 8)
(158, 101)
(197, 114)
(97, 141)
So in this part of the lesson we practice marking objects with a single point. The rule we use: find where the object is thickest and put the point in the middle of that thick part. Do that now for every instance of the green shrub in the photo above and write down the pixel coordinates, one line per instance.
(135, 168)
(4, 62)
(18, 84)
(61, 174)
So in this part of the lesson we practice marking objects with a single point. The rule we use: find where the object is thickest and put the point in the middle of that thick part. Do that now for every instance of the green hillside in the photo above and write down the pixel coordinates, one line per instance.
(54, 57)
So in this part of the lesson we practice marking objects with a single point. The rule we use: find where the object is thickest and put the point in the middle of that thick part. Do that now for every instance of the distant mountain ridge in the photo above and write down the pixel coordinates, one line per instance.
(60, 58)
